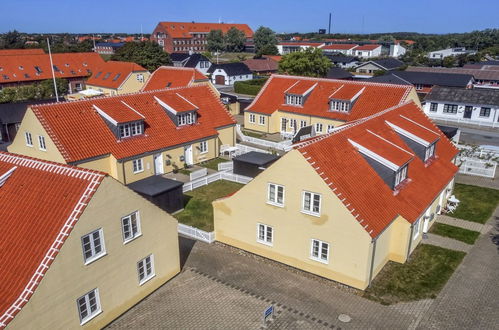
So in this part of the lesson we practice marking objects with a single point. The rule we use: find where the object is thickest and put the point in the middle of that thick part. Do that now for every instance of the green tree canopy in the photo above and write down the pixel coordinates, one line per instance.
(148, 54)
(265, 41)
(12, 40)
(215, 41)
(36, 91)
(310, 62)
(235, 40)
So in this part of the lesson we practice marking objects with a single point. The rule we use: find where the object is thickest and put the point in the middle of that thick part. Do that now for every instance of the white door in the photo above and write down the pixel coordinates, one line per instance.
(158, 164)
(426, 221)
(188, 155)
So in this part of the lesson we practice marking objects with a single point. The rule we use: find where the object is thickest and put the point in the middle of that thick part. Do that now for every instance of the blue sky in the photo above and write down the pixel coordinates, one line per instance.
(426, 16)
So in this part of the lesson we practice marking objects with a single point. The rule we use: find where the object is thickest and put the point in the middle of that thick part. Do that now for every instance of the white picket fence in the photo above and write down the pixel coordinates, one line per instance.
(227, 166)
(243, 149)
(472, 166)
(448, 119)
(283, 145)
(191, 185)
(193, 232)
(198, 174)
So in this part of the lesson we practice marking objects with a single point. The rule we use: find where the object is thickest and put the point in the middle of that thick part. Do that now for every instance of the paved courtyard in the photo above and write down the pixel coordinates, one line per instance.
(224, 288)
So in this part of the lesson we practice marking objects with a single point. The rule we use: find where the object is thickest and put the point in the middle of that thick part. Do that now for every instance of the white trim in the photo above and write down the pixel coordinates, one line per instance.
(311, 212)
(141, 165)
(336, 91)
(426, 128)
(408, 134)
(310, 89)
(6, 175)
(375, 156)
(97, 312)
(186, 100)
(276, 203)
(393, 144)
(153, 270)
(264, 241)
(105, 115)
(102, 253)
(166, 106)
(139, 229)
(133, 109)
(41, 140)
(205, 142)
(318, 258)
(26, 134)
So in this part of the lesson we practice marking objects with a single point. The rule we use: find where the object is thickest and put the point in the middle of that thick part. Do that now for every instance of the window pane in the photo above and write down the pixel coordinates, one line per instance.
(324, 250)
(306, 205)
(280, 194)
(261, 232)
(269, 234)
(317, 201)
(272, 193)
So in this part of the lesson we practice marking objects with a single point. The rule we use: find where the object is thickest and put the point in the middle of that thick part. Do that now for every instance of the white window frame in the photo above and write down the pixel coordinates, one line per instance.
(93, 314)
(317, 125)
(143, 263)
(429, 152)
(95, 256)
(319, 258)
(134, 233)
(252, 118)
(312, 199)
(203, 147)
(137, 165)
(275, 202)
(261, 120)
(265, 239)
(416, 229)
(29, 139)
(303, 123)
(329, 128)
(41, 143)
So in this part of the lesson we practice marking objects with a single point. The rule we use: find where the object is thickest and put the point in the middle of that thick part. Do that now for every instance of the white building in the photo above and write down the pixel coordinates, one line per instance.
(443, 53)
(229, 73)
(346, 49)
(397, 50)
(290, 47)
(368, 51)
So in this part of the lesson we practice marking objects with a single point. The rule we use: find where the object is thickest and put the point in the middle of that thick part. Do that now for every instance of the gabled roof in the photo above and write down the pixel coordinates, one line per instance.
(113, 74)
(385, 63)
(66, 65)
(338, 73)
(173, 77)
(80, 132)
(262, 64)
(374, 98)
(340, 58)
(27, 51)
(186, 29)
(40, 202)
(339, 46)
(479, 96)
(367, 47)
(430, 78)
(232, 69)
(481, 74)
(363, 192)
(188, 60)
(298, 44)
(390, 78)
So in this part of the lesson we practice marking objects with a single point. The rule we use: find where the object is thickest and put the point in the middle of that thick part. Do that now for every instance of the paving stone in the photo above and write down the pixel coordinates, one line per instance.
(446, 242)
(470, 225)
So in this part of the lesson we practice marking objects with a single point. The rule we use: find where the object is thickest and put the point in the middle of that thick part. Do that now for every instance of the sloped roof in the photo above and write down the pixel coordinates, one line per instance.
(482, 74)
(173, 77)
(433, 78)
(67, 65)
(374, 98)
(338, 73)
(186, 29)
(50, 195)
(27, 51)
(79, 132)
(190, 60)
(390, 78)
(339, 46)
(367, 47)
(232, 69)
(112, 74)
(385, 63)
(480, 96)
(340, 58)
(369, 199)
(262, 64)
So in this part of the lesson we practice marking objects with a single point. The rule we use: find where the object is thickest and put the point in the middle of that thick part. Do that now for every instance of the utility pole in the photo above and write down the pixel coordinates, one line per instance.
(329, 30)
(53, 73)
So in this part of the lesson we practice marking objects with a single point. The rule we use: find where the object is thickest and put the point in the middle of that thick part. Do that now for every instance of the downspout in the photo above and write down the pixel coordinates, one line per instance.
(372, 262)
(410, 241)
(124, 175)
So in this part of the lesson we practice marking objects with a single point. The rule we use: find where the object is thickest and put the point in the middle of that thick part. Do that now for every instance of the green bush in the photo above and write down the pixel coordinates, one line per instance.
(36, 91)
(250, 87)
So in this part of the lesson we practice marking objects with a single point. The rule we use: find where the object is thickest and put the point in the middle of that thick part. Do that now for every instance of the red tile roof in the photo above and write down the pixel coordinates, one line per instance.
(172, 77)
(68, 65)
(374, 98)
(312, 44)
(27, 51)
(350, 177)
(80, 132)
(39, 205)
(276, 58)
(186, 29)
(120, 112)
(113, 73)
(262, 64)
(367, 47)
(301, 87)
(340, 46)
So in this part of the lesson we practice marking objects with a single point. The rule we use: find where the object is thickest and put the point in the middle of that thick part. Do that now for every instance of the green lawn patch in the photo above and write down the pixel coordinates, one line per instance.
(213, 163)
(464, 235)
(476, 203)
(421, 277)
(253, 134)
(198, 211)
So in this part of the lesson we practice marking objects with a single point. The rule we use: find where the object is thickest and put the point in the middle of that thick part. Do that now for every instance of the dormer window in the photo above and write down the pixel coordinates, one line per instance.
(106, 76)
(430, 152)
(38, 70)
(131, 129)
(123, 120)
(339, 105)
(294, 99)
(186, 118)
(400, 175)
(180, 110)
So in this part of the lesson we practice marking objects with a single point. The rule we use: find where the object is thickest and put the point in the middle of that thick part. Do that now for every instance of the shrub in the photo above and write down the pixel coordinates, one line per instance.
(250, 87)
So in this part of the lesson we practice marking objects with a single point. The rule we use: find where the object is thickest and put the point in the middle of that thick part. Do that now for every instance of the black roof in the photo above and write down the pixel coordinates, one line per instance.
(11, 113)
(191, 60)
(256, 158)
(389, 79)
(341, 58)
(449, 131)
(154, 185)
(388, 63)
(338, 73)
(110, 44)
(428, 78)
(479, 96)
(232, 69)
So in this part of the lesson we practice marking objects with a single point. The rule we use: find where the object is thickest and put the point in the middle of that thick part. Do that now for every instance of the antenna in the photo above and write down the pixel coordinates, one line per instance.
(53, 73)
(329, 30)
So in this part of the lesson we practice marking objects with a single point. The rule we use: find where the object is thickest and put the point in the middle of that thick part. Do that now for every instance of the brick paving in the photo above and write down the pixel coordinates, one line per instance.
(470, 225)
(446, 242)
(478, 180)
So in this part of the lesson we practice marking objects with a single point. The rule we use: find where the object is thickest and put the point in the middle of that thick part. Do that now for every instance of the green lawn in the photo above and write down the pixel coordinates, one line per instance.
(253, 134)
(476, 203)
(461, 234)
(421, 277)
(213, 163)
(198, 211)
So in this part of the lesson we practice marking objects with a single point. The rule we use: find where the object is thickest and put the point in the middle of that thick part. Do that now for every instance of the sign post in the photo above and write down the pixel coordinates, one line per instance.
(268, 313)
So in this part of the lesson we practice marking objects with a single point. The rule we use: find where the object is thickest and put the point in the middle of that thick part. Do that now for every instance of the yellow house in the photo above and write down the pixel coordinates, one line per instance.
(116, 77)
(131, 136)
(78, 248)
(341, 205)
(287, 103)
(174, 77)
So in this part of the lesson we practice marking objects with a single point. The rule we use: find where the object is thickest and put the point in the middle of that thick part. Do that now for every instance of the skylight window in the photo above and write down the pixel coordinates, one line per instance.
(38, 69)
(56, 68)
(116, 77)
(21, 67)
(106, 76)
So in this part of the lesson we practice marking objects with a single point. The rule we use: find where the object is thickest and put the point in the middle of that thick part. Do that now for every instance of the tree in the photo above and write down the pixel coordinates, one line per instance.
(12, 40)
(386, 37)
(265, 41)
(235, 40)
(310, 62)
(449, 61)
(215, 41)
(148, 54)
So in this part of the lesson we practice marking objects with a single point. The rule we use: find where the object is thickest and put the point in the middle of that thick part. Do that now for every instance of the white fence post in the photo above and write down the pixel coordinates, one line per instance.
(208, 237)
(198, 174)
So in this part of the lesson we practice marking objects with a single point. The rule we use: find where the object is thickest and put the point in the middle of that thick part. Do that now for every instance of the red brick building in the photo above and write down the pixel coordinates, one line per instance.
(183, 37)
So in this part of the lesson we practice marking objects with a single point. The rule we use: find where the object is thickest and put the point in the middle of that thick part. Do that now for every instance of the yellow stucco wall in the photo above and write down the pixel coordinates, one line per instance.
(413, 96)
(236, 220)
(31, 124)
(130, 85)
(53, 305)
(226, 136)
(256, 126)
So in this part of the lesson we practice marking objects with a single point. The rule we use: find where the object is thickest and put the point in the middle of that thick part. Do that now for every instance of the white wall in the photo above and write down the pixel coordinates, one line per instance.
(229, 80)
(203, 70)
(475, 116)
(397, 50)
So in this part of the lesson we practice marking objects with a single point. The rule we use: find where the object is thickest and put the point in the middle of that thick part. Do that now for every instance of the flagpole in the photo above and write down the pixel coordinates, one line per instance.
(53, 73)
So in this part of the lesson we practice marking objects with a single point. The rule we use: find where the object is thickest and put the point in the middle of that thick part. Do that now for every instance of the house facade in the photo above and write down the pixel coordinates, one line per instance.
(287, 103)
(345, 49)
(483, 78)
(185, 37)
(290, 47)
(469, 106)
(116, 77)
(131, 137)
(368, 51)
(191, 60)
(108, 48)
(384, 64)
(342, 205)
(97, 249)
(229, 73)
(443, 53)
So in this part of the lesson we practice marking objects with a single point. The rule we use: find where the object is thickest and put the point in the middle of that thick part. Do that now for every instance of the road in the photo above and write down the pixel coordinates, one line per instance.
(478, 137)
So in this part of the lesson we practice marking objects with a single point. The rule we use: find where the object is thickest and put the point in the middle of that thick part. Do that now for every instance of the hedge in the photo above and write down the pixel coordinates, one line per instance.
(250, 87)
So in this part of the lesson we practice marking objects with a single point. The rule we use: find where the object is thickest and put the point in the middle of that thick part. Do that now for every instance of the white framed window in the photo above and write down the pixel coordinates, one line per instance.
(145, 269)
(261, 120)
(88, 306)
(318, 128)
(252, 118)
(140, 77)
(93, 246)
(138, 165)
(319, 251)
(275, 194)
(429, 152)
(130, 225)
(401, 175)
(264, 234)
(433, 107)
(303, 123)
(416, 229)
(203, 147)
(29, 139)
(311, 203)
(186, 118)
(131, 129)
(41, 143)
(330, 128)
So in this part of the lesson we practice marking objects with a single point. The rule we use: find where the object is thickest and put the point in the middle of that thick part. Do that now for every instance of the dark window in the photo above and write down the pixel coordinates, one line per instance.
(484, 112)
(450, 108)
(5, 77)
(116, 77)
(106, 76)
(98, 74)
(55, 68)
(26, 75)
(38, 69)
(169, 84)
(433, 107)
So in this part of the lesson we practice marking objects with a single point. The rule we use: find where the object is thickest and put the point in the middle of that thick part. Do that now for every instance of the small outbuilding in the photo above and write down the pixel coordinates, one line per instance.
(164, 193)
(253, 163)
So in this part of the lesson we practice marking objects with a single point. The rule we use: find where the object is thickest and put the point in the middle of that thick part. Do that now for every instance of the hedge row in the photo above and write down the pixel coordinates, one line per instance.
(250, 87)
